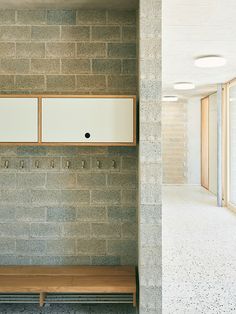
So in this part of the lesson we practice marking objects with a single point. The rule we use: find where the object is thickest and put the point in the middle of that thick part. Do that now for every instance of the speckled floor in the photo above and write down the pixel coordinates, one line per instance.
(199, 253)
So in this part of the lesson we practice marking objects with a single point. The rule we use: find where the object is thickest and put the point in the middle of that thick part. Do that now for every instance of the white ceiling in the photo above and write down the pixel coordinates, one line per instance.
(193, 28)
(85, 4)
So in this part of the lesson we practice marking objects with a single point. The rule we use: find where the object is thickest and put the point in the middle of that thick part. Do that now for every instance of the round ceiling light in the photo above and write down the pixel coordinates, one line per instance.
(169, 98)
(184, 86)
(210, 62)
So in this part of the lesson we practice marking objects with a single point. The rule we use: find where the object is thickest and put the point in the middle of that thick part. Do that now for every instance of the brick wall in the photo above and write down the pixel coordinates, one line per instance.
(68, 51)
(175, 140)
(59, 215)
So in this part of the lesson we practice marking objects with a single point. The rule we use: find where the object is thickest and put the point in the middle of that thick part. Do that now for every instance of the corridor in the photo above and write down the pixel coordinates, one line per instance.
(199, 253)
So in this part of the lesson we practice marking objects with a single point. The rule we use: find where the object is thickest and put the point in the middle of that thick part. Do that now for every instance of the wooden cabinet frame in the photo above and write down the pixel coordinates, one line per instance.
(40, 143)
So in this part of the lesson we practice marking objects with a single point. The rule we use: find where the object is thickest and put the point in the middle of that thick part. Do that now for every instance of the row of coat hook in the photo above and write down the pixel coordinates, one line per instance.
(67, 166)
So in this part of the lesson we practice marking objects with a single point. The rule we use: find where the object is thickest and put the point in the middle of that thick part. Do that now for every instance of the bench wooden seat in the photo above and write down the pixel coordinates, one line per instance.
(118, 282)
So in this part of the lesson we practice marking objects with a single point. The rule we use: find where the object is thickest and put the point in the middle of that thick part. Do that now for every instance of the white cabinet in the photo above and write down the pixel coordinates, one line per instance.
(18, 120)
(88, 120)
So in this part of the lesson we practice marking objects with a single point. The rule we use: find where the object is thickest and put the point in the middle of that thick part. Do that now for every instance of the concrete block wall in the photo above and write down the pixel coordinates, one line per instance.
(150, 165)
(59, 215)
(64, 215)
(175, 142)
(68, 51)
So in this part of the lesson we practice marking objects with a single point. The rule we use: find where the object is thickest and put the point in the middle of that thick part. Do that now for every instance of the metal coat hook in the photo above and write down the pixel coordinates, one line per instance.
(6, 164)
(68, 164)
(98, 164)
(52, 164)
(113, 164)
(37, 164)
(22, 164)
(83, 164)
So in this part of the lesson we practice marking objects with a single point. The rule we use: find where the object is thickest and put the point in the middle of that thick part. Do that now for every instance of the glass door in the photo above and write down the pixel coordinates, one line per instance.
(232, 144)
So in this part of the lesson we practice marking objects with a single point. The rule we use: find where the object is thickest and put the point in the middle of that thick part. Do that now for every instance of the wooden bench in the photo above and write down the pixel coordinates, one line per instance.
(67, 284)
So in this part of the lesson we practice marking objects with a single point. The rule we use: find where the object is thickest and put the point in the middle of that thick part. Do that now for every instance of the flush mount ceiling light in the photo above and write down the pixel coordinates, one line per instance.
(210, 62)
(184, 86)
(169, 98)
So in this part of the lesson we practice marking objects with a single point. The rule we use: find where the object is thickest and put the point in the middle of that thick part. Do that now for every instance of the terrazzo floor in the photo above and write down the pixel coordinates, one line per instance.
(199, 253)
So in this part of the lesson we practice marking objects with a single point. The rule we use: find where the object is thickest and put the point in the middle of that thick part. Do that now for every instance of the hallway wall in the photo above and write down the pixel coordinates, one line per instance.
(181, 132)
(174, 145)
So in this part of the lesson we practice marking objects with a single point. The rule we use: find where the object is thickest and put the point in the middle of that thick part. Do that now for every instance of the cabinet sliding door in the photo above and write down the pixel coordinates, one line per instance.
(88, 120)
(18, 120)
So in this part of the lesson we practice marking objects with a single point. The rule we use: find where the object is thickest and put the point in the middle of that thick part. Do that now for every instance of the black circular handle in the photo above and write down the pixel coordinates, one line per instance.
(87, 135)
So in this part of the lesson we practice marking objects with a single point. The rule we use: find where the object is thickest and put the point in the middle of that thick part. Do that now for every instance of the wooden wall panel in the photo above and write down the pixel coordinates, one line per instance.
(205, 142)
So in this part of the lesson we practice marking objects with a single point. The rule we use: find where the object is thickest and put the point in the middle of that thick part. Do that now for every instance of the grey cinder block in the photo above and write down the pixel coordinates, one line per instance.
(121, 50)
(92, 213)
(129, 66)
(122, 247)
(91, 247)
(125, 82)
(91, 17)
(30, 247)
(46, 230)
(61, 180)
(7, 246)
(7, 50)
(61, 214)
(60, 50)
(105, 196)
(91, 179)
(75, 33)
(14, 33)
(30, 82)
(106, 33)
(75, 66)
(31, 17)
(87, 50)
(122, 17)
(30, 180)
(30, 213)
(122, 179)
(106, 230)
(7, 17)
(129, 34)
(45, 33)
(101, 66)
(45, 66)
(91, 82)
(15, 66)
(61, 17)
(78, 230)
(30, 50)
(60, 83)
(62, 247)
